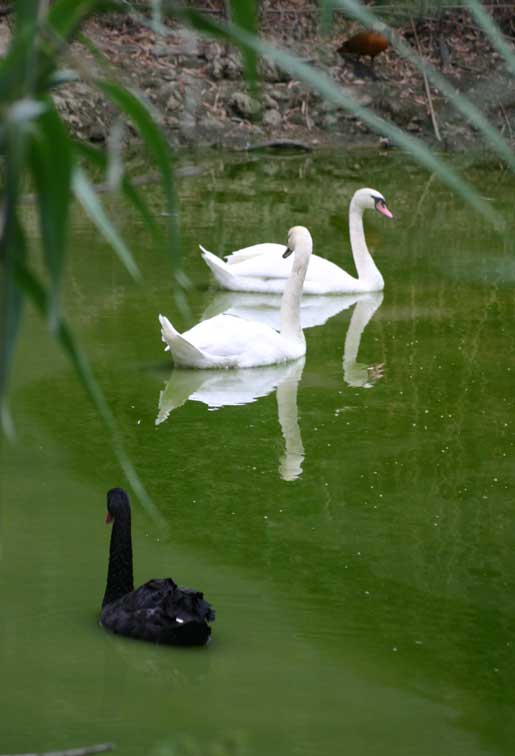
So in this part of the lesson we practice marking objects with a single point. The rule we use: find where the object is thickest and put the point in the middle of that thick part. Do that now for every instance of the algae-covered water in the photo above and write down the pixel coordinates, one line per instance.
(350, 516)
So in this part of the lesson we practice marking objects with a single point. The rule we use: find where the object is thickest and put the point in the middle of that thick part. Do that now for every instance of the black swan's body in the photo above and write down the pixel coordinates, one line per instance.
(159, 611)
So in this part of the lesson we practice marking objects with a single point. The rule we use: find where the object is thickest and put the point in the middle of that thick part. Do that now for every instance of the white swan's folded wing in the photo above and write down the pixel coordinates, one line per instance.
(256, 250)
(226, 335)
(269, 264)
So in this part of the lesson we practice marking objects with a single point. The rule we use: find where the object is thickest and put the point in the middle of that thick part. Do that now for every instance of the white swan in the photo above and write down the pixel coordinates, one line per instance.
(261, 268)
(226, 341)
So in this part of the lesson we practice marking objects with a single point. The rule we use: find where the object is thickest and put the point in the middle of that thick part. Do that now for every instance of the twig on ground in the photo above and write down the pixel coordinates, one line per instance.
(506, 119)
(305, 112)
(427, 87)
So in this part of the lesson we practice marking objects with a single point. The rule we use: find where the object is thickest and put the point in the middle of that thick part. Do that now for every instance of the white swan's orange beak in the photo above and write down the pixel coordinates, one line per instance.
(381, 208)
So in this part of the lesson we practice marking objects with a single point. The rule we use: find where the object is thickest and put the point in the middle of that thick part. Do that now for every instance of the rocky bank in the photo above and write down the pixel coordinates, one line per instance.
(198, 92)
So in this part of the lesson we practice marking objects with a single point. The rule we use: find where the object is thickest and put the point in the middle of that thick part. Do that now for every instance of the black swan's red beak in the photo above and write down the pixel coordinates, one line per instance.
(109, 518)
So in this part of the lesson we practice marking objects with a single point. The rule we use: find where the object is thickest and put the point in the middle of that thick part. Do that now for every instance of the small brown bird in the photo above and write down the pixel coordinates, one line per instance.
(364, 43)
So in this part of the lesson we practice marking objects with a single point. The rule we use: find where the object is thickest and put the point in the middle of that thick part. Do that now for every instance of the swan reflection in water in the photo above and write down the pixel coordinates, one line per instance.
(357, 374)
(266, 308)
(222, 388)
(315, 311)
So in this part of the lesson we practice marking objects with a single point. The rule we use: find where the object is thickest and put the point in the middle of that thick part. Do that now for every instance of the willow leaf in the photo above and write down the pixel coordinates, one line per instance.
(65, 16)
(135, 109)
(51, 163)
(138, 112)
(490, 28)
(326, 15)
(245, 15)
(98, 159)
(18, 66)
(86, 195)
(12, 247)
(10, 313)
(35, 291)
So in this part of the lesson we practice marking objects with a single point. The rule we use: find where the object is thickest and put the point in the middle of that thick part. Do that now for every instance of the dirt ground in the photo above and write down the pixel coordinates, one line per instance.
(200, 96)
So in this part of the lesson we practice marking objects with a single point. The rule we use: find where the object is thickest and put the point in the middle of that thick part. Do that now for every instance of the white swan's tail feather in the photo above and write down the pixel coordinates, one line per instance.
(181, 350)
(218, 268)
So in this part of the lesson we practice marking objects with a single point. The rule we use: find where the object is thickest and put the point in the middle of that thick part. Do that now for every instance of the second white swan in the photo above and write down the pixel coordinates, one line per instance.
(262, 268)
(226, 341)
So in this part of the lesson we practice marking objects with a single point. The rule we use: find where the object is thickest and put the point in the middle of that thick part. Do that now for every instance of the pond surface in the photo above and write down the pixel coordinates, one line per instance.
(350, 516)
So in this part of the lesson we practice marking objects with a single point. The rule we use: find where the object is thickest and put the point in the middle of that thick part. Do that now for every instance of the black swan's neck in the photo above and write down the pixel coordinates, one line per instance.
(119, 574)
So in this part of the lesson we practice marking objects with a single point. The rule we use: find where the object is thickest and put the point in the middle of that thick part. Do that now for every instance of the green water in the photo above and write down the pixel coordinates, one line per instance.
(353, 528)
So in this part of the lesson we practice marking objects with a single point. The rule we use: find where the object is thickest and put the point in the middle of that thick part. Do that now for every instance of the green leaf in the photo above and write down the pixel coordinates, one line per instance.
(98, 158)
(32, 57)
(60, 25)
(35, 291)
(12, 247)
(139, 113)
(26, 14)
(17, 67)
(65, 16)
(490, 28)
(86, 195)
(326, 15)
(10, 315)
(244, 15)
(51, 164)
(144, 120)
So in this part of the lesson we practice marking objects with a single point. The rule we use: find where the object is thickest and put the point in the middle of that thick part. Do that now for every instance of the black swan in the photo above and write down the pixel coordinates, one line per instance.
(159, 611)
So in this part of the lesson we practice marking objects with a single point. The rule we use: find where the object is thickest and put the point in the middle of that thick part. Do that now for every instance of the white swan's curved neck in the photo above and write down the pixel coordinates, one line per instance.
(290, 303)
(368, 273)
